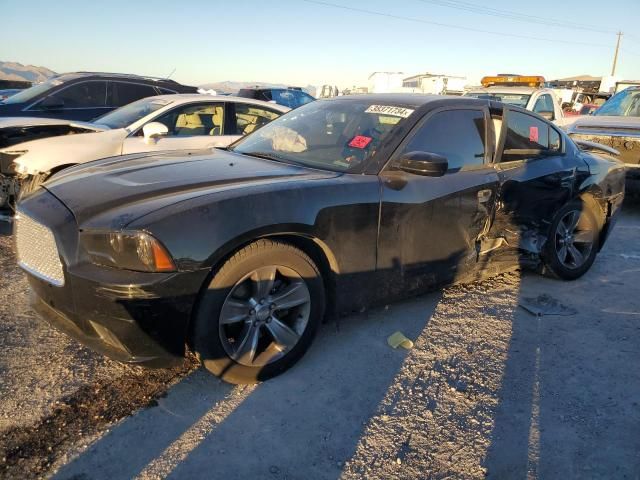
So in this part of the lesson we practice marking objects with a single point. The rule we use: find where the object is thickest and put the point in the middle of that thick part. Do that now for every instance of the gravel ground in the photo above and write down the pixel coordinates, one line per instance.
(489, 390)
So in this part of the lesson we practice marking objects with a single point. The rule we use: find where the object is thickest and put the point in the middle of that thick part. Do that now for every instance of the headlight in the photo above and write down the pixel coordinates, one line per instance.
(137, 251)
(8, 165)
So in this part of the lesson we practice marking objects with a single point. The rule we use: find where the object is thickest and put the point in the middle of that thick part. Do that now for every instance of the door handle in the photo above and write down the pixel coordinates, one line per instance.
(484, 195)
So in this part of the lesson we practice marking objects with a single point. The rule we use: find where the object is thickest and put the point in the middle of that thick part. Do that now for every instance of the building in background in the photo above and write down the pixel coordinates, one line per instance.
(385, 82)
(435, 84)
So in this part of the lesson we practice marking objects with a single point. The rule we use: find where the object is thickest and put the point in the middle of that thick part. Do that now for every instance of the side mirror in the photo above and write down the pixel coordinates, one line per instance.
(546, 115)
(424, 163)
(52, 103)
(153, 131)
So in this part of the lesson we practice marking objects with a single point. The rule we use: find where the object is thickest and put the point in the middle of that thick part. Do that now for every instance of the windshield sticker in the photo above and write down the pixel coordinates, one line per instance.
(533, 134)
(390, 110)
(360, 141)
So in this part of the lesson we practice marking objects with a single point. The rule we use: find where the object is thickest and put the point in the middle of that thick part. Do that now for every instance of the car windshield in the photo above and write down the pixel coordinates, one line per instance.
(623, 104)
(32, 92)
(517, 99)
(125, 116)
(338, 135)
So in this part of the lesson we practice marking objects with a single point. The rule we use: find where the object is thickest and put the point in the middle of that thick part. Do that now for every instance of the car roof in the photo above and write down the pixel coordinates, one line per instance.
(179, 98)
(407, 99)
(65, 77)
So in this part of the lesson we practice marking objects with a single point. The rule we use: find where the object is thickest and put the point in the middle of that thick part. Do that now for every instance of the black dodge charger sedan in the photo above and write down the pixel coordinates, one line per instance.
(238, 255)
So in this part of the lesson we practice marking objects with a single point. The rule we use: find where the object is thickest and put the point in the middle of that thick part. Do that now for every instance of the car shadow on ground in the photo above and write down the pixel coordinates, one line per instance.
(490, 390)
(308, 420)
(568, 404)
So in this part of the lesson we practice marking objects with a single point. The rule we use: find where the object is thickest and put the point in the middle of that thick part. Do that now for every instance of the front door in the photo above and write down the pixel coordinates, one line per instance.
(432, 227)
(191, 127)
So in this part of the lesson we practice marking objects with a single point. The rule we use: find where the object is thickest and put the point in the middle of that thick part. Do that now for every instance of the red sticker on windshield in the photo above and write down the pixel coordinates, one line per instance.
(360, 141)
(533, 134)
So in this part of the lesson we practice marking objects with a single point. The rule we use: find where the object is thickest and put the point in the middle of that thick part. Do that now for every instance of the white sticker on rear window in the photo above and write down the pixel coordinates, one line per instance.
(390, 110)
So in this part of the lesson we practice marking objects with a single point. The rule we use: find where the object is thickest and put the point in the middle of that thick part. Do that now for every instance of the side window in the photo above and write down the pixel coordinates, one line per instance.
(249, 117)
(458, 135)
(165, 91)
(125, 93)
(190, 120)
(544, 104)
(528, 137)
(82, 95)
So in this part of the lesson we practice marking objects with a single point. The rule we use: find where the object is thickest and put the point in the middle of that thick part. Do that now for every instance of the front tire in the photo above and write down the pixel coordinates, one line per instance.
(259, 313)
(572, 244)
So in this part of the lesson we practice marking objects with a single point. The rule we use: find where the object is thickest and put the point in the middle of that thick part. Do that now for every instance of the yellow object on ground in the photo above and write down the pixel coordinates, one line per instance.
(399, 340)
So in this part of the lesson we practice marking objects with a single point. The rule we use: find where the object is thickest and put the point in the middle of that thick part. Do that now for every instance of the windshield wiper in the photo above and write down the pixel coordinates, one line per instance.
(265, 155)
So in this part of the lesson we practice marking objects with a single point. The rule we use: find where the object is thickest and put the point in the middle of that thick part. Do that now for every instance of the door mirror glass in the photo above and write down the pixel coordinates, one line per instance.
(153, 131)
(423, 163)
(52, 103)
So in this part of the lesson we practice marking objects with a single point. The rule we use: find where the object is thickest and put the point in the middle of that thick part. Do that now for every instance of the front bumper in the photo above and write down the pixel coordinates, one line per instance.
(129, 316)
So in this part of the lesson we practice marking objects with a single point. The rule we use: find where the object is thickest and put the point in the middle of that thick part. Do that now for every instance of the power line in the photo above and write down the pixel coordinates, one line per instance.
(448, 25)
(494, 12)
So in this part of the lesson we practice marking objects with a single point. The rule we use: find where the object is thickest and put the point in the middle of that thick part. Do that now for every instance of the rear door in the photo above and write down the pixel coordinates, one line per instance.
(192, 126)
(431, 227)
(536, 176)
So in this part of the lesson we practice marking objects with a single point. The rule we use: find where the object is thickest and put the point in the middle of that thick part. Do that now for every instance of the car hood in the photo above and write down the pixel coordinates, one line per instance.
(113, 192)
(12, 122)
(594, 124)
(45, 154)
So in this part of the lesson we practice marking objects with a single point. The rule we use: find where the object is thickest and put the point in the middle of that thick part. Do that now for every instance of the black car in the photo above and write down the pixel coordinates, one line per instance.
(344, 203)
(292, 97)
(85, 95)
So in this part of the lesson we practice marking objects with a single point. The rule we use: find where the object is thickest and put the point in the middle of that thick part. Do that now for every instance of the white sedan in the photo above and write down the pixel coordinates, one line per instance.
(165, 122)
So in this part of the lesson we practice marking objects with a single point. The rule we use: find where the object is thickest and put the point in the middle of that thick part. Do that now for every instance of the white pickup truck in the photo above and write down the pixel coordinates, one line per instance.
(524, 92)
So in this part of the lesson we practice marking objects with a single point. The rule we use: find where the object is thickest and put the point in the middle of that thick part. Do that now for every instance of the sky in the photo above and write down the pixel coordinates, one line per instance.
(304, 42)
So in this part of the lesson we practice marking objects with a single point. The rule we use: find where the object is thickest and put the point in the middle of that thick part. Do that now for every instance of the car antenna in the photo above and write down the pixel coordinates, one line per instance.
(172, 72)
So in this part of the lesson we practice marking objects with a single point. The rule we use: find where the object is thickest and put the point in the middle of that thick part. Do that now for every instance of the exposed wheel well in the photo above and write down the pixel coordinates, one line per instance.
(321, 259)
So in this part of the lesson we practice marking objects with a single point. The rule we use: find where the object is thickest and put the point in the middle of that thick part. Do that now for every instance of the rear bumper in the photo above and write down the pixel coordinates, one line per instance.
(614, 205)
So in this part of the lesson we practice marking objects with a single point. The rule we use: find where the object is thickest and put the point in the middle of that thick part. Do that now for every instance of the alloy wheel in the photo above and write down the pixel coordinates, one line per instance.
(574, 239)
(264, 315)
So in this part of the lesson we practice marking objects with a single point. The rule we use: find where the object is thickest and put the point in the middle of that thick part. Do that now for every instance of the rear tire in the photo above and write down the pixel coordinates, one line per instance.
(572, 243)
(259, 313)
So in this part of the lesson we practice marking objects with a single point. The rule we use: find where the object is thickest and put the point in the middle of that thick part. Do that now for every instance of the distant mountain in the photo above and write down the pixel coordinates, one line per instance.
(29, 73)
(233, 87)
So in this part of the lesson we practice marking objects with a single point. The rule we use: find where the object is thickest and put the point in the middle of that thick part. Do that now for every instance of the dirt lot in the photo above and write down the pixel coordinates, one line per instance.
(489, 390)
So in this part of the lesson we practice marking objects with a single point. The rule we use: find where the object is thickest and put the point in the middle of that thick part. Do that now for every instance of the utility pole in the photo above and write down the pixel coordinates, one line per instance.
(615, 56)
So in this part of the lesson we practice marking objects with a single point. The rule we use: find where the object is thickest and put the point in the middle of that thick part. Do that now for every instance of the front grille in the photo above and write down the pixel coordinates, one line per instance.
(37, 250)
